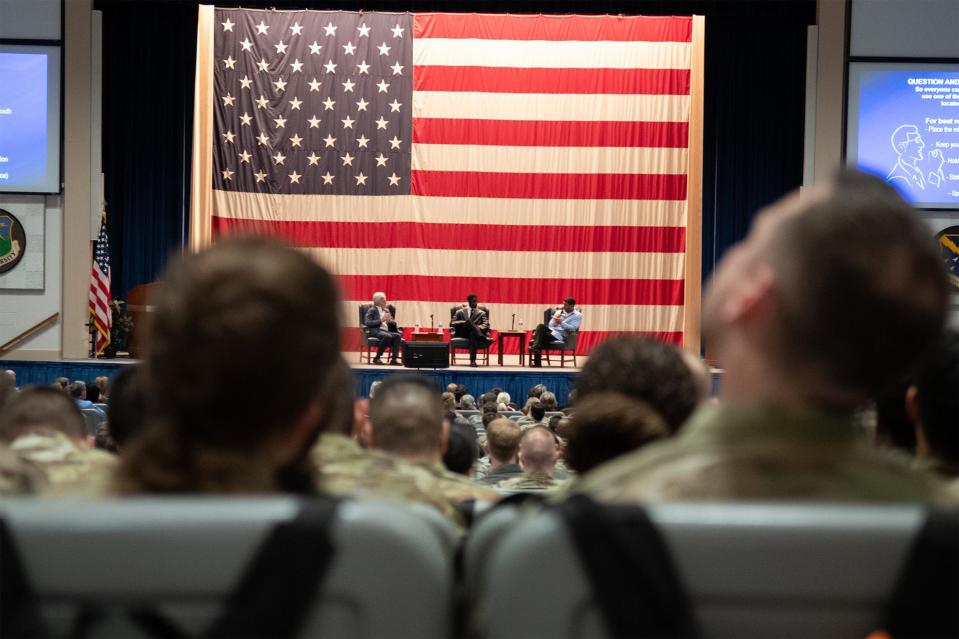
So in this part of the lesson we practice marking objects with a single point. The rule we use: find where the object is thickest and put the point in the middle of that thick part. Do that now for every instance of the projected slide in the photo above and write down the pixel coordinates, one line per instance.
(907, 131)
(29, 121)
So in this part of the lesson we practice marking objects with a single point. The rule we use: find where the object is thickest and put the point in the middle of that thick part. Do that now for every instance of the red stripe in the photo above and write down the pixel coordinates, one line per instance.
(508, 290)
(527, 80)
(588, 340)
(550, 133)
(466, 237)
(551, 186)
(540, 27)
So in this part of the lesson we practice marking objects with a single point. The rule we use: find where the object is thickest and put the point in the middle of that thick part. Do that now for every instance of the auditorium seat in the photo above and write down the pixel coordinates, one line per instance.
(91, 420)
(750, 570)
(367, 343)
(181, 558)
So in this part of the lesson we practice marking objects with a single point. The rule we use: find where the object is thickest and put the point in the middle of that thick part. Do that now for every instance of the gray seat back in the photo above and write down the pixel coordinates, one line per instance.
(183, 557)
(750, 570)
(364, 332)
(91, 420)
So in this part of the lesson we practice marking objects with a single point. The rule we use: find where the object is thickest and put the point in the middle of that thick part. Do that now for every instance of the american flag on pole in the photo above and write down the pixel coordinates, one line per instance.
(522, 158)
(99, 306)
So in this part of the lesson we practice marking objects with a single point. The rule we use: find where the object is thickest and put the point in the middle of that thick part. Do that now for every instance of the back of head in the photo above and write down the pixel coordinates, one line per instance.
(937, 388)
(489, 418)
(468, 402)
(244, 306)
(77, 389)
(644, 369)
(502, 439)
(40, 408)
(503, 398)
(248, 298)
(340, 397)
(62, 382)
(490, 407)
(538, 450)
(537, 411)
(607, 425)
(548, 400)
(862, 289)
(93, 393)
(449, 400)
(462, 449)
(536, 391)
(407, 417)
(127, 406)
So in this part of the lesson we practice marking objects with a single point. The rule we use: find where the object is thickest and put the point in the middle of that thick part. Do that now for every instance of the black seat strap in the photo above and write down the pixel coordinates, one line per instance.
(630, 570)
(925, 601)
(273, 598)
(19, 612)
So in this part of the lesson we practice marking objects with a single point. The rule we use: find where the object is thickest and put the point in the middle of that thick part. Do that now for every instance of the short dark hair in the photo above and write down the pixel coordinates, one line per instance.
(537, 411)
(407, 415)
(471, 297)
(462, 449)
(644, 369)
(569, 301)
(608, 425)
(863, 289)
(937, 386)
(93, 393)
(40, 407)
(490, 407)
(490, 417)
(127, 409)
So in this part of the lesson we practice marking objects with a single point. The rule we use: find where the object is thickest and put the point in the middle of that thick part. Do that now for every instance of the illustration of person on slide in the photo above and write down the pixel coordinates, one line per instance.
(907, 172)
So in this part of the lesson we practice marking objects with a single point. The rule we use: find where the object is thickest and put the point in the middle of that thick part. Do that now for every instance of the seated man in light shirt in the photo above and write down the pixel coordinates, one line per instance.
(565, 320)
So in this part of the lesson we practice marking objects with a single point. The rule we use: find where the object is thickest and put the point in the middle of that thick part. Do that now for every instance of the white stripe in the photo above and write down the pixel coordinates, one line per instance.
(599, 317)
(448, 210)
(104, 299)
(573, 54)
(551, 107)
(549, 159)
(480, 264)
(101, 314)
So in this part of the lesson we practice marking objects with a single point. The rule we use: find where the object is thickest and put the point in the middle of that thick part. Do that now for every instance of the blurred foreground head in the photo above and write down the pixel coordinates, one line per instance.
(829, 297)
(236, 310)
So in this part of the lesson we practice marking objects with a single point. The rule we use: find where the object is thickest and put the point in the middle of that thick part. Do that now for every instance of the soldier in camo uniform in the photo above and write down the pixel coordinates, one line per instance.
(538, 452)
(44, 429)
(407, 421)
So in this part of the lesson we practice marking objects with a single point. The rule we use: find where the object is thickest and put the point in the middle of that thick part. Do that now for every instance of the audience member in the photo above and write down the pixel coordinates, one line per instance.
(407, 422)
(345, 468)
(932, 403)
(503, 401)
(62, 382)
(645, 369)
(608, 425)
(44, 428)
(103, 383)
(460, 391)
(200, 436)
(127, 406)
(548, 400)
(538, 453)
(11, 377)
(467, 402)
(462, 449)
(502, 446)
(830, 297)
(7, 389)
(93, 393)
(78, 391)
(536, 391)
(536, 417)
(449, 401)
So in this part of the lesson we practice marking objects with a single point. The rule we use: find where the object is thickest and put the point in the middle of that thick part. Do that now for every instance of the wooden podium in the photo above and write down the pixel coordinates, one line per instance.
(139, 308)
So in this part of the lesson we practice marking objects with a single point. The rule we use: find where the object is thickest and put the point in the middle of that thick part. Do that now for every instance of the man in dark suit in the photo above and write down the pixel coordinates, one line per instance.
(381, 324)
(471, 323)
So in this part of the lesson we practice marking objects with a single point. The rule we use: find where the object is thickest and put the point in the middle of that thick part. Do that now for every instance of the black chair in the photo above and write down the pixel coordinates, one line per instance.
(568, 345)
(463, 344)
(367, 343)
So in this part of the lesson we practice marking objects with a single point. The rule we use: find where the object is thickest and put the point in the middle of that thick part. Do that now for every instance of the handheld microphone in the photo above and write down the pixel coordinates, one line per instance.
(431, 321)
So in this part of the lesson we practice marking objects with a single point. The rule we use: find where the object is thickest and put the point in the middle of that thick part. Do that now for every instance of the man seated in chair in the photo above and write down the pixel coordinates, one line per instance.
(565, 320)
(471, 323)
(381, 325)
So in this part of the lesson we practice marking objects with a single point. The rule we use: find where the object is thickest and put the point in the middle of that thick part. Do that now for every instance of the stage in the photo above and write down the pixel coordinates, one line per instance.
(511, 377)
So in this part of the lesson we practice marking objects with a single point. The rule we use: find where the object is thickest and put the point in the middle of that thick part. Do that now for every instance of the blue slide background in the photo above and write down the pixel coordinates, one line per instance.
(23, 135)
(886, 101)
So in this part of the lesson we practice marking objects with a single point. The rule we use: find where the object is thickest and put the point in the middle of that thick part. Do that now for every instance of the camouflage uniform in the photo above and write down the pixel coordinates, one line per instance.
(530, 481)
(346, 469)
(726, 452)
(68, 468)
(18, 477)
(457, 488)
(481, 468)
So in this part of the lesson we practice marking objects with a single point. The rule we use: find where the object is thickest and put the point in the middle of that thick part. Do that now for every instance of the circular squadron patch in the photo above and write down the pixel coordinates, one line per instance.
(13, 241)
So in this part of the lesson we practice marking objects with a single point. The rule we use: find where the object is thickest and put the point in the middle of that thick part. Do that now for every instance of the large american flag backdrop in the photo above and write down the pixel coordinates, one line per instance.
(522, 158)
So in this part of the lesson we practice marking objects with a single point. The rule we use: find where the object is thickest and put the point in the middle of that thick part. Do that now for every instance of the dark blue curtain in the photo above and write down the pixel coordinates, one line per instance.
(753, 120)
